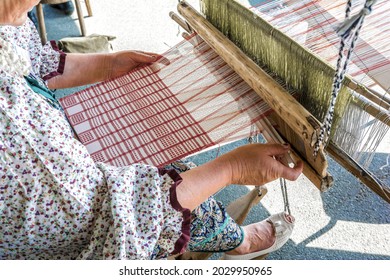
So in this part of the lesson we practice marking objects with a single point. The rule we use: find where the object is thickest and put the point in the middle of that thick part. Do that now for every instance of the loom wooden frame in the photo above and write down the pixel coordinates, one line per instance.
(286, 106)
(198, 23)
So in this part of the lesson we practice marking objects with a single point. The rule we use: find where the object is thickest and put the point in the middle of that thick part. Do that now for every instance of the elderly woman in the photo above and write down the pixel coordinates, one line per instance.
(56, 203)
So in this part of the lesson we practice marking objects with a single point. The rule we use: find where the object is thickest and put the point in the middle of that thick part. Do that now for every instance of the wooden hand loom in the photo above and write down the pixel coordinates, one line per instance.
(286, 107)
(296, 124)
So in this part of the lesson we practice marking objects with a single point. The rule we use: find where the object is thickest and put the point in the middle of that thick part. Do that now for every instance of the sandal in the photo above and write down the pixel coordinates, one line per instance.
(283, 230)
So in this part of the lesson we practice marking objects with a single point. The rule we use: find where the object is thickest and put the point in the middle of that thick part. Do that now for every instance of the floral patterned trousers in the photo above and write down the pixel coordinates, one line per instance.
(212, 229)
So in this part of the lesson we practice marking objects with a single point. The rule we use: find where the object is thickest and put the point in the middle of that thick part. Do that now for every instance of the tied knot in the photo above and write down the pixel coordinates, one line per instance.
(350, 23)
(366, 11)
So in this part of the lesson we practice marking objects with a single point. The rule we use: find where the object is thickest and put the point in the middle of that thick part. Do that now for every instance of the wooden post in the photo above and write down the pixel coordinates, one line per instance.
(41, 17)
(41, 21)
(89, 8)
(81, 18)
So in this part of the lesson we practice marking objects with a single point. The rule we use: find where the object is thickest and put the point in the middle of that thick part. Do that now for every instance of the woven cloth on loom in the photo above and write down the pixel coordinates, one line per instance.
(164, 112)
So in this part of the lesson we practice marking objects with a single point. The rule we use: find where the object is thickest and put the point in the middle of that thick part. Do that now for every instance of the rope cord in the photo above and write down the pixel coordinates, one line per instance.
(349, 32)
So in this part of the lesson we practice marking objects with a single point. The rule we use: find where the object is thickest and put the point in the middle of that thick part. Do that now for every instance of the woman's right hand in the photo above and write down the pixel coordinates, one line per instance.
(253, 164)
(257, 164)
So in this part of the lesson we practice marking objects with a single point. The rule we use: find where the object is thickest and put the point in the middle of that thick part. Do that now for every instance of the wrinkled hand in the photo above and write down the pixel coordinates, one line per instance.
(125, 61)
(256, 164)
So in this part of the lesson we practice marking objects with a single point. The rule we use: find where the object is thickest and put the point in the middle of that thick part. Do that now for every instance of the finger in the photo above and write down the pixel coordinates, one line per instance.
(158, 57)
(149, 53)
(142, 57)
(291, 173)
(277, 149)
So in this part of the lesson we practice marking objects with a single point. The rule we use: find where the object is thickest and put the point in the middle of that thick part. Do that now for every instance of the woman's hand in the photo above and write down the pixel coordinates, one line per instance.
(258, 164)
(125, 61)
(253, 164)
(85, 69)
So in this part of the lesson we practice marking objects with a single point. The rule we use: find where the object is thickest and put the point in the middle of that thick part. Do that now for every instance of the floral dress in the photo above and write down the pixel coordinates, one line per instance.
(57, 203)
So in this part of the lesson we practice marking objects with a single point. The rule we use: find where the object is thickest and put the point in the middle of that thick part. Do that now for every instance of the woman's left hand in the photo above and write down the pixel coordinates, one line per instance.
(85, 69)
(125, 61)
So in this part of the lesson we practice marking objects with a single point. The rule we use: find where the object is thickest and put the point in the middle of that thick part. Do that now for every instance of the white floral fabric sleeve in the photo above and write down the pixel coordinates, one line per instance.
(52, 61)
(47, 60)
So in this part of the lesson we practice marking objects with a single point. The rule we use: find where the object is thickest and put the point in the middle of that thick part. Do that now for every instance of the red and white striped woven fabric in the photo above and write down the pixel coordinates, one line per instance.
(165, 111)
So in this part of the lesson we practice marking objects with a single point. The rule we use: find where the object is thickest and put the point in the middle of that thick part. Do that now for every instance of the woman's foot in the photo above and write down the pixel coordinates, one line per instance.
(258, 237)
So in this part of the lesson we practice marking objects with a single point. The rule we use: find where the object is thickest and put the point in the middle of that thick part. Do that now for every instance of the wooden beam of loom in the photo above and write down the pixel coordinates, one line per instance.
(295, 115)
(364, 175)
(323, 183)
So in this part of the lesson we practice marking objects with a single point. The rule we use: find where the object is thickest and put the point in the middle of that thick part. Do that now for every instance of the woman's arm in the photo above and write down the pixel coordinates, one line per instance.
(84, 69)
(253, 164)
